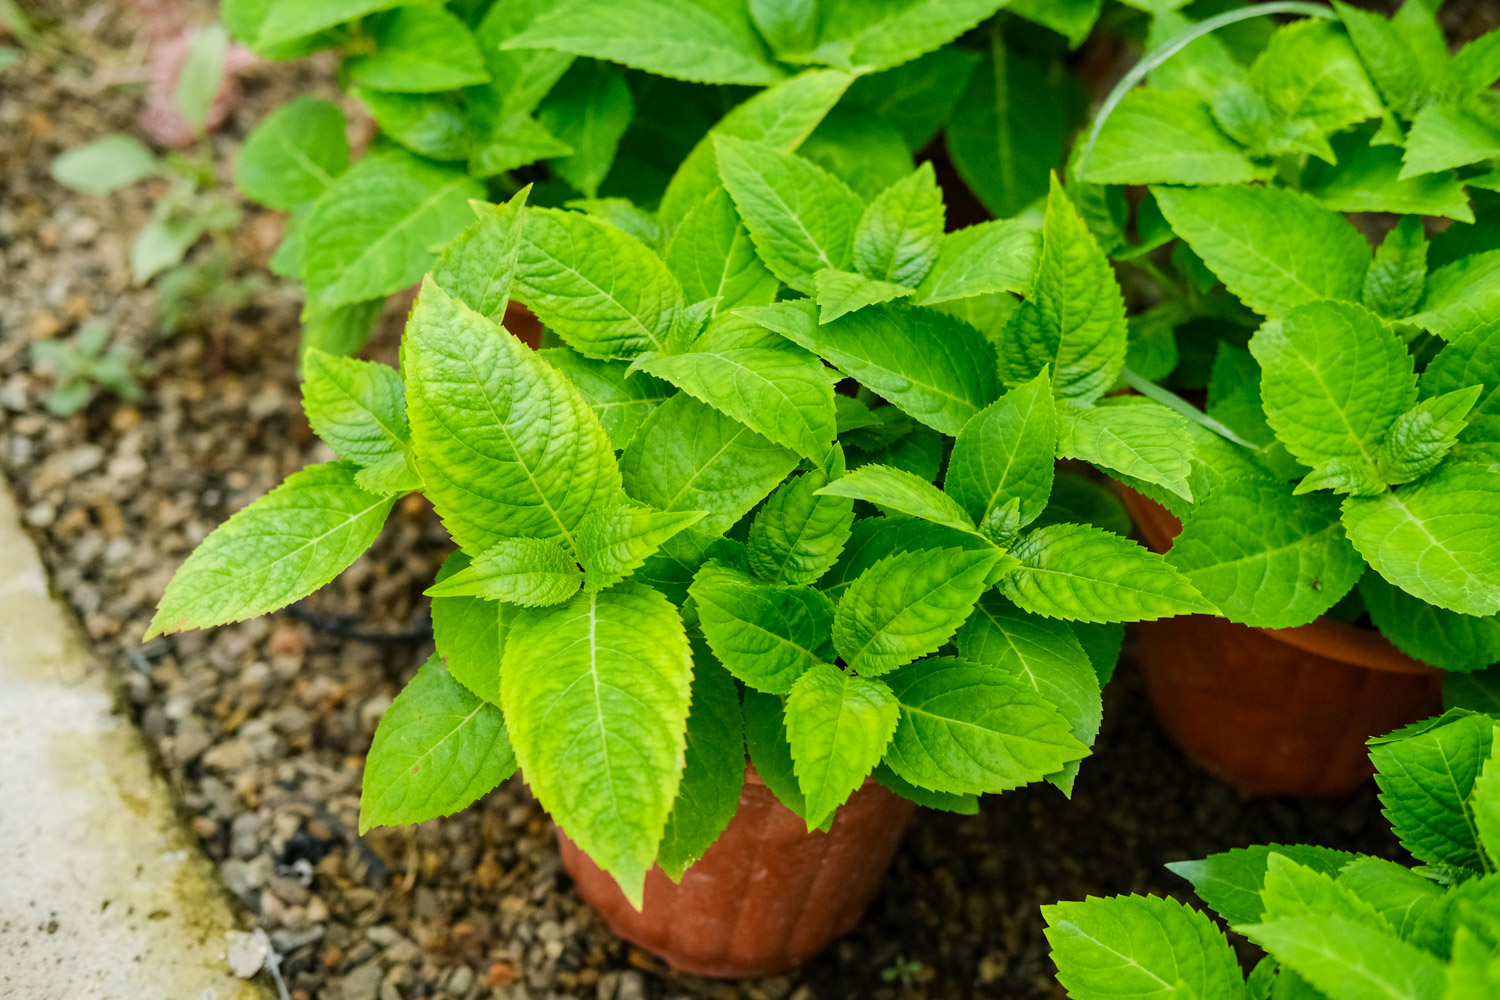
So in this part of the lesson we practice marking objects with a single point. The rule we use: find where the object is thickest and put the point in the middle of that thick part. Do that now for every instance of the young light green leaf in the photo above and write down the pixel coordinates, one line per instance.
(1461, 296)
(278, 550)
(372, 231)
(1292, 890)
(1333, 379)
(419, 49)
(528, 572)
(506, 446)
(200, 76)
(1265, 557)
(504, 144)
(1443, 639)
(1485, 802)
(798, 533)
(876, 36)
(937, 369)
(1471, 359)
(769, 751)
(1140, 947)
(1367, 179)
(1146, 441)
(766, 636)
(604, 292)
(480, 265)
(1081, 573)
(108, 164)
(1074, 321)
(1393, 285)
(874, 538)
(1437, 539)
(470, 634)
(1421, 437)
(967, 729)
(900, 492)
(996, 256)
(1405, 55)
(838, 726)
(431, 125)
(714, 769)
(1309, 72)
(701, 43)
(841, 292)
(293, 155)
(613, 541)
(1005, 453)
(907, 605)
(801, 218)
(784, 394)
(1349, 958)
(711, 254)
(1273, 248)
(589, 109)
(357, 407)
(1426, 774)
(1444, 136)
(1167, 137)
(789, 26)
(437, 749)
(901, 232)
(392, 474)
(1231, 882)
(1042, 654)
(600, 686)
(620, 401)
(520, 78)
(284, 22)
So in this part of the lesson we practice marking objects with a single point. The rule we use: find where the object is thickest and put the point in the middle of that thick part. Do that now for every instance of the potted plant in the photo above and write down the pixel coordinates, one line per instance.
(1342, 508)
(1332, 924)
(721, 616)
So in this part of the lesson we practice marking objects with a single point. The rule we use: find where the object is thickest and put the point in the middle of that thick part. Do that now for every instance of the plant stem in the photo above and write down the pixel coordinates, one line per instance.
(1160, 55)
(1175, 402)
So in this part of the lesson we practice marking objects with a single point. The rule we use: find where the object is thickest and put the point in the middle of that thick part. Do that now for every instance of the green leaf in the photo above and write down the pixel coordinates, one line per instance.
(614, 542)
(278, 550)
(293, 155)
(1265, 557)
(1393, 285)
(838, 726)
(965, 805)
(1399, 895)
(1439, 638)
(340, 330)
(900, 492)
(798, 533)
(419, 49)
(520, 78)
(714, 771)
(357, 407)
(620, 401)
(479, 266)
(1142, 948)
(1167, 137)
(766, 636)
(431, 125)
(874, 538)
(1081, 573)
(372, 231)
(284, 21)
(589, 109)
(843, 292)
(1437, 539)
(1074, 321)
(784, 394)
(1042, 654)
(161, 243)
(506, 446)
(688, 456)
(801, 218)
(1231, 882)
(201, 76)
(996, 256)
(528, 572)
(1005, 453)
(1273, 248)
(1444, 136)
(780, 117)
(1333, 378)
(675, 38)
(1423, 436)
(1146, 441)
(907, 605)
(600, 687)
(901, 232)
(1367, 179)
(470, 634)
(968, 729)
(604, 291)
(1073, 19)
(1293, 890)
(624, 214)
(876, 36)
(1309, 72)
(1485, 802)
(1350, 959)
(789, 26)
(936, 369)
(504, 144)
(1011, 128)
(711, 254)
(108, 164)
(917, 97)
(1404, 55)
(1461, 296)
(1475, 970)
(1479, 692)
(1426, 774)
(768, 749)
(392, 474)
(437, 749)
(1471, 359)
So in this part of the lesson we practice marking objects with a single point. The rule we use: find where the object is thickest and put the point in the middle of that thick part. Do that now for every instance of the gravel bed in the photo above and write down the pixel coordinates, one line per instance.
(262, 726)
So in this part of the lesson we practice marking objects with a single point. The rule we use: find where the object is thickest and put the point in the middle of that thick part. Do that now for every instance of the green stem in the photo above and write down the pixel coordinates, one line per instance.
(1160, 55)
(1175, 402)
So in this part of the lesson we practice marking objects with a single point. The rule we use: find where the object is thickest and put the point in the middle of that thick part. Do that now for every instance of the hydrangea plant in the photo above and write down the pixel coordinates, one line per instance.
(1334, 925)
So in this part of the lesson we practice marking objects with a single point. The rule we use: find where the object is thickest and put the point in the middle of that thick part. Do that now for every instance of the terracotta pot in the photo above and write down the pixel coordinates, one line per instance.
(1275, 711)
(767, 895)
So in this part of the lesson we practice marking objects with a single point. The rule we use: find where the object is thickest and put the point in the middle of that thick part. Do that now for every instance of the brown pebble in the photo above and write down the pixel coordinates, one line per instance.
(500, 974)
(123, 419)
(333, 957)
(204, 826)
(45, 326)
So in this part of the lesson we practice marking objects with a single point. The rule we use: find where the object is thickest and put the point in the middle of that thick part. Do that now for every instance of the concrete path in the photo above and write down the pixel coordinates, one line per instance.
(103, 894)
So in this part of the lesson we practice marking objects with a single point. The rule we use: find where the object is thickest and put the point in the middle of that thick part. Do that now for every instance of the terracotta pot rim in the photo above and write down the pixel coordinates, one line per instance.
(1324, 636)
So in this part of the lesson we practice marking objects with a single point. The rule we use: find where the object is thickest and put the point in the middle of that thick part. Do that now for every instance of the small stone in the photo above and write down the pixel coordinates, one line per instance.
(500, 974)
(460, 980)
(632, 986)
(39, 515)
(363, 983)
(248, 952)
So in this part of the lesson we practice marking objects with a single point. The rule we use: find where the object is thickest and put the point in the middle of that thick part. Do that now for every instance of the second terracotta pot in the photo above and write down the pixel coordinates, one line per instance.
(1275, 711)
(767, 895)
